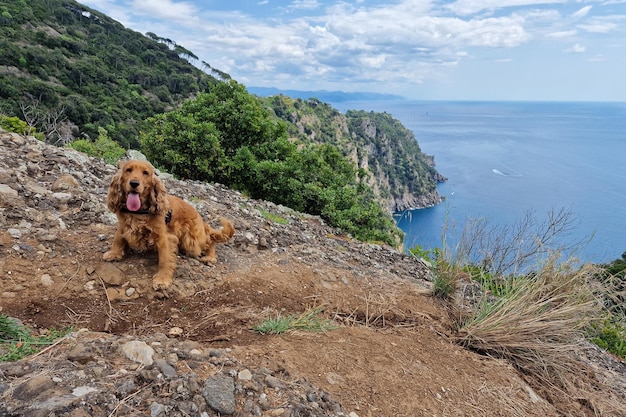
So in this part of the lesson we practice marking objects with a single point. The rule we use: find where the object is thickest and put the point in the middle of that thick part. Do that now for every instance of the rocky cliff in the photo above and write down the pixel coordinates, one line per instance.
(402, 176)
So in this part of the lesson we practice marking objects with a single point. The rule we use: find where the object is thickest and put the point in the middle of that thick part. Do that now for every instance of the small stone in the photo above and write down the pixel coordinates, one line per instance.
(130, 291)
(175, 332)
(166, 369)
(110, 273)
(334, 378)
(33, 388)
(81, 353)
(219, 393)
(245, 375)
(46, 280)
(62, 198)
(157, 409)
(14, 233)
(274, 382)
(65, 182)
(89, 285)
(196, 352)
(113, 294)
(138, 351)
(9, 294)
(353, 414)
(83, 390)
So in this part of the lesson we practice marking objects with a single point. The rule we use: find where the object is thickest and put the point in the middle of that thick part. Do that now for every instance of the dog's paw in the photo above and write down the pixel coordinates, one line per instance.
(112, 256)
(161, 281)
(208, 259)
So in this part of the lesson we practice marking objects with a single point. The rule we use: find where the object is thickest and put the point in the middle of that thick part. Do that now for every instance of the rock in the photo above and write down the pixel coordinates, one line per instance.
(138, 351)
(219, 393)
(46, 280)
(65, 182)
(175, 332)
(83, 390)
(167, 369)
(157, 409)
(33, 388)
(110, 273)
(244, 375)
(81, 353)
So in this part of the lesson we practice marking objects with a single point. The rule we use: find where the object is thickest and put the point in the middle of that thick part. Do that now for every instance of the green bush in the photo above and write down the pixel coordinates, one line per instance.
(226, 136)
(15, 124)
(611, 336)
(103, 147)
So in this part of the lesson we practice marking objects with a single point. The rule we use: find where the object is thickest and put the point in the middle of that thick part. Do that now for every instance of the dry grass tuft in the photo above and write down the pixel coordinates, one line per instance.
(538, 326)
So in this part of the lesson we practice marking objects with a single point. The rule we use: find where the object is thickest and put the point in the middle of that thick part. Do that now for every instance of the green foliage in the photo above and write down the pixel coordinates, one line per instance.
(226, 136)
(86, 64)
(15, 124)
(274, 218)
(309, 321)
(16, 341)
(610, 335)
(103, 147)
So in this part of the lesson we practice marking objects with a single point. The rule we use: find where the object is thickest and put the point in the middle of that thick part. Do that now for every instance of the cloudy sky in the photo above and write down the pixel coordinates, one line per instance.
(420, 49)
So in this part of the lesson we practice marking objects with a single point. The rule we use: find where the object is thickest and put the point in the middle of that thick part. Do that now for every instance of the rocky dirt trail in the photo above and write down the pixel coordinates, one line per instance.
(192, 351)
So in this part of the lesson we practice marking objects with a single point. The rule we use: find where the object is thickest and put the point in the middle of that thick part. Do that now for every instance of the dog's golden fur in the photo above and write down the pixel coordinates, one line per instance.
(163, 222)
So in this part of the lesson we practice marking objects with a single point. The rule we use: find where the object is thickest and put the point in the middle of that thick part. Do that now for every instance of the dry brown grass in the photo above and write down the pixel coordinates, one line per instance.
(538, 326)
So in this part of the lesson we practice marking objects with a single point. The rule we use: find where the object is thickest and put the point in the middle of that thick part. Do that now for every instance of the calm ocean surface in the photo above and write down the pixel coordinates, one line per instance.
(503, 159)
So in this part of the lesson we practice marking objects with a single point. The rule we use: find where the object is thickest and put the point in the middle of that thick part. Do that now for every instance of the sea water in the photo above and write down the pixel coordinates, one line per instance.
(504, 160)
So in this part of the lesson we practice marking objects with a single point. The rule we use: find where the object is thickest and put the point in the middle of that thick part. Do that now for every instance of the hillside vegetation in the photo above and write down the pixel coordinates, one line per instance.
(69, 69)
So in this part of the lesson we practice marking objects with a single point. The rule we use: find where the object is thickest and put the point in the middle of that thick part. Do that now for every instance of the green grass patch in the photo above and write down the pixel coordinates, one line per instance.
(17, 342)
(275, 218)
(309, 321)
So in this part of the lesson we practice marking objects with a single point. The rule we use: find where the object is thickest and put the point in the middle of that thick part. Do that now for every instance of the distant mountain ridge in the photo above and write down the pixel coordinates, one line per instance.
(324, 95)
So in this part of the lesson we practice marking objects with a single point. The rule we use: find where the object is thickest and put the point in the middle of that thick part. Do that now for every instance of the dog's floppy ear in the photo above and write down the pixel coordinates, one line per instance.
(115, 196)
(158, 196)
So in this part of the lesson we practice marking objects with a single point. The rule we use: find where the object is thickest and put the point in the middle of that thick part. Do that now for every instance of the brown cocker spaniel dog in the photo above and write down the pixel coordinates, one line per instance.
(149, 218)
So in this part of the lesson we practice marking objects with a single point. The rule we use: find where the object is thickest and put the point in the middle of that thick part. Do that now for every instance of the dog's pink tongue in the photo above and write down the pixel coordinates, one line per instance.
(132, 202)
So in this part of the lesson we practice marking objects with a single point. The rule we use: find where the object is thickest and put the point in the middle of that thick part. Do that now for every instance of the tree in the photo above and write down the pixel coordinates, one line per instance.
(227, 136)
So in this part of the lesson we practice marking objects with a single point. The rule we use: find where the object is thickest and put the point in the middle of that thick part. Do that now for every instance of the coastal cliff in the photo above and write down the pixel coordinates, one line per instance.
(392, 163)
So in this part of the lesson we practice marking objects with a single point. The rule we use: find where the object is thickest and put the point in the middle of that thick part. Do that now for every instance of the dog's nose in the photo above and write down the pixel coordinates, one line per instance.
(134, 183)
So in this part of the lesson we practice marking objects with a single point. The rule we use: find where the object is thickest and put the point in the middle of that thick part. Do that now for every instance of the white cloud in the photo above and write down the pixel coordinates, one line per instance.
(562, 34)
(467, 7)
(166, 9)
(576, 49)
(582, 12)
(599, 27)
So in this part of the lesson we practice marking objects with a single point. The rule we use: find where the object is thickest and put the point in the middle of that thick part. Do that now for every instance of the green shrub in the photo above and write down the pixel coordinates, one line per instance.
(15, 124)
(103, 147)
(610, 335)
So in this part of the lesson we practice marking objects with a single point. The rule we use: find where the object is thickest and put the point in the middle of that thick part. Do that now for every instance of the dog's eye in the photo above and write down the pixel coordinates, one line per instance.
(146, 173)
(129, 170)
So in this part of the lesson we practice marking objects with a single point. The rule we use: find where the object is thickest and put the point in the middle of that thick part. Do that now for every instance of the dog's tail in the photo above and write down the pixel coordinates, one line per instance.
(226, 232)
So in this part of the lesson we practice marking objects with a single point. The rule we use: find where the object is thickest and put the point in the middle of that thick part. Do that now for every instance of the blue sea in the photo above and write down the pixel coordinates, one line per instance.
(506, 159)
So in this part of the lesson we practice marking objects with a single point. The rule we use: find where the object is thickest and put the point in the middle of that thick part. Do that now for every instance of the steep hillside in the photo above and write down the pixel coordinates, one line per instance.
(69, 69)
(402, 176)
(193, 352)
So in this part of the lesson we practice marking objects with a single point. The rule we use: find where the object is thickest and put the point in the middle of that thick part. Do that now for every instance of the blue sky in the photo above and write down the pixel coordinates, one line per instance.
(420, 49)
